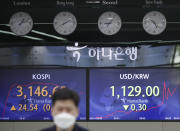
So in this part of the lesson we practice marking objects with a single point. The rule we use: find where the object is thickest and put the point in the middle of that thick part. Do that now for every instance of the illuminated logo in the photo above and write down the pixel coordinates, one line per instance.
(106, 53)
(76, 49)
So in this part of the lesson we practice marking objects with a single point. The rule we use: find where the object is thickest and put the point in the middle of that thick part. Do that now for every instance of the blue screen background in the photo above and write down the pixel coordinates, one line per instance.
(11, 78)
(105, 107)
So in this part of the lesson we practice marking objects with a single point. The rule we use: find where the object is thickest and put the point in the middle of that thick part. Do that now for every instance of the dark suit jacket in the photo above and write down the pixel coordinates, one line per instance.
(76, 128)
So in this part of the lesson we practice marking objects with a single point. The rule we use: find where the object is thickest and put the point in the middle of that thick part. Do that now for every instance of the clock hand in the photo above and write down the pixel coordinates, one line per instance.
(22, 21)
(66, 22)
(108, 23)
(154, 23)
(63, 23)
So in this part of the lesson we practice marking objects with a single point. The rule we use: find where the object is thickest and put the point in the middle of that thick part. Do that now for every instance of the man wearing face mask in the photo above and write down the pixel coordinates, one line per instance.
(65, 111)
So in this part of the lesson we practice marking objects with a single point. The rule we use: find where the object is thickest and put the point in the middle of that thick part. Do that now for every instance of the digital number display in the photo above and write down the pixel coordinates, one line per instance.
(114, 94)
(26, 93)
(135, 94)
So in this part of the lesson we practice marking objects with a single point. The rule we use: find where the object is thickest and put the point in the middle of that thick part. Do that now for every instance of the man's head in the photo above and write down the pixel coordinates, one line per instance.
(65, 106)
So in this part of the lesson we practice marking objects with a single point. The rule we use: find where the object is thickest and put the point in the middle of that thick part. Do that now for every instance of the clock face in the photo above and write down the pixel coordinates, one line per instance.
(21, 23)
(109, 23)
(154, 23)
(65, 23)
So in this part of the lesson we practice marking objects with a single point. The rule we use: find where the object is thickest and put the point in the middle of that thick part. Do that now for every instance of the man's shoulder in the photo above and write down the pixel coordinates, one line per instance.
(53, 128)
(79, 128)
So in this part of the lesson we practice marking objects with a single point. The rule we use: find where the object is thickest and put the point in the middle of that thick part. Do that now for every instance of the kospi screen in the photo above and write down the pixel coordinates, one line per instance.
(25, 94)
(135, 94)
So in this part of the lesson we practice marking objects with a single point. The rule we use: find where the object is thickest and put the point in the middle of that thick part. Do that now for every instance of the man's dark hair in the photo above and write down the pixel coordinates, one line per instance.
(65, 94)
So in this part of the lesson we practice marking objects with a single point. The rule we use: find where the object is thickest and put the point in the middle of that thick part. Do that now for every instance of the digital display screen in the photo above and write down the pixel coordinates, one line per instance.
(26, 93)
(134, 94)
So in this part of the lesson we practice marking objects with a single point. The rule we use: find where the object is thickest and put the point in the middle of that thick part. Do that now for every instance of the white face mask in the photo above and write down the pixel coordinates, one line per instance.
(64, 120)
